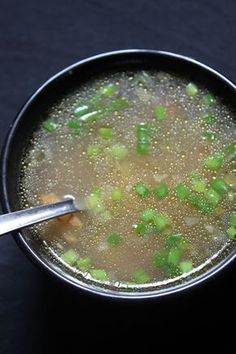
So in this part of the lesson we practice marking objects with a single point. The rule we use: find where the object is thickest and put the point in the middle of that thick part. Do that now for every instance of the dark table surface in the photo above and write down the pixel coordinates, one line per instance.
(39, 38)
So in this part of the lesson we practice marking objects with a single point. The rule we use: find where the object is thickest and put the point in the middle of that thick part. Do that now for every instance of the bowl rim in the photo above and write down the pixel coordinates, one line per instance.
(24, 245)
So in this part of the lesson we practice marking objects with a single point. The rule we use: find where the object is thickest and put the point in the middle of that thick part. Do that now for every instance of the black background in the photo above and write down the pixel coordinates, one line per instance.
(39, 38)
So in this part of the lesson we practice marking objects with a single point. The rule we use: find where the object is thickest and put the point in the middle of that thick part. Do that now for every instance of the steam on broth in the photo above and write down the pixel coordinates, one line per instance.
(153, 156)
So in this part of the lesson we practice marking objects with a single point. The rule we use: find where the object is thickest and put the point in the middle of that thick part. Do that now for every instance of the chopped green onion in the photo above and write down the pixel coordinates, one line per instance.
(49, 125)
(142, 189)
(161, 190)
(80, 111)
(231, 232)
(182, 192)
(161, 221)
(93, 150)
(116, 105)
(185, 266)
(160, 112)
(83, 263)
(70, 257)
(109, 90)
(99, 274)
(208, 99)
(233, 219)
(173, 270)
(93, 201)
(208, 135)
(173, 256)
(97, 190)
(90, 117)
(199, 185)
(105, 133)
(175, 240)
(74, 124)
(159, 259)
(215, 161)
(200, 203)
(191, 89)
(143, 139)
(140, 229)
(114, 239)
(140, 277)
(148, 215)
(118, 151)
(213, 197)
(116, 195)
(219, 185)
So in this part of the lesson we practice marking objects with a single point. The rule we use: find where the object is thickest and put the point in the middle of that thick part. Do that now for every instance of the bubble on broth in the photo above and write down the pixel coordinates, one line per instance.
(58, 163)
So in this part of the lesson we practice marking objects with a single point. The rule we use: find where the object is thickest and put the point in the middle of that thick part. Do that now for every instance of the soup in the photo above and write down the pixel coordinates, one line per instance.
(152, 155)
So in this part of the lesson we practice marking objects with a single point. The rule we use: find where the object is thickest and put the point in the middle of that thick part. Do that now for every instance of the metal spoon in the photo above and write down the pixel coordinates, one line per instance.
(26, 217)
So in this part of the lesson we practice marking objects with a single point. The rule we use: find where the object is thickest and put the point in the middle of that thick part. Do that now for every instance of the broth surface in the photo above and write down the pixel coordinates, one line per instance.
(161, 138)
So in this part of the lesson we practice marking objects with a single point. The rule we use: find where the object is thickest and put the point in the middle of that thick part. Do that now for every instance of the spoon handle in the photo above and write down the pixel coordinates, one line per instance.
(19, 219)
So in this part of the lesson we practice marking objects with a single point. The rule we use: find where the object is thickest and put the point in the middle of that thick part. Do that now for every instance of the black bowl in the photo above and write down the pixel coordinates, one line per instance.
(34, 111)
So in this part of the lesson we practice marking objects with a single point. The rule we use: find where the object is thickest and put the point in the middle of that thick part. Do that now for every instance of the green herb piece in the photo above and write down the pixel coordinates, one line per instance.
(220, 186)
(105, 133)
(214, 161)
(182, 192)
(114, 239)
(161, 190)
(140, 277)
(49, 125)
(142, 189)
(191, 89)
(70, 257)
(99, 274)
(159, 259)
(231, 232)
(212, 197)
(208, 99)
(160, 112)
(80, 111)
(185, 266)
(93, 150)
(109, 90)
(209, 135)
(143, 139)
(84, 263)
(118, 151)
(116, 195)
(173, 256)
